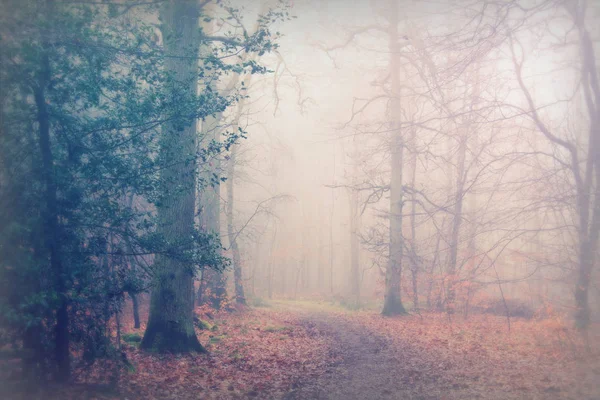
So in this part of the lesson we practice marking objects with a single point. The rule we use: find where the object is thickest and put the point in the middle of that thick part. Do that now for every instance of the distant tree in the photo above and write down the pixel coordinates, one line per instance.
(395, 141)
(579, 162)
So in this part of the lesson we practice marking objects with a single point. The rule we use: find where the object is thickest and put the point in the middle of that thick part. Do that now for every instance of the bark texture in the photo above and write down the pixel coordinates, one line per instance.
(52, 229)
(170, 324)
(392, 302)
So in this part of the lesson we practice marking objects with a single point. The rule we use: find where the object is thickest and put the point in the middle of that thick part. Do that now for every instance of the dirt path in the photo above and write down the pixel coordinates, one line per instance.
(369, 366)
(415, 358)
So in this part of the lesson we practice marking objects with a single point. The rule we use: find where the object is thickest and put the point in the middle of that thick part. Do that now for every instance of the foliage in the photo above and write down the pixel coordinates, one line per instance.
(295, 352)
(85, 95)
(248, 360)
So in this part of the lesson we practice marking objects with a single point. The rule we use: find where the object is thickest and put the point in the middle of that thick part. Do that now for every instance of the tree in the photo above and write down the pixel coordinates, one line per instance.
(170, 326)
(395, 145)
(66, 227)
(63, 224)
(240, 296)
(170, 323)
(582, 165)
(94, 114)
(232, 233)
(392, 303)
(353, 189)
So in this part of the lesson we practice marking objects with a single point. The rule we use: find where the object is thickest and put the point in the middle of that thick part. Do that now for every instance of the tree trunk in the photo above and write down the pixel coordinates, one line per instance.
(354, 234)
(271, 267)
(210, 202)
(200, 299)
(136, 310)
(331, 243)
(52, 228)
(170, 324)
(320, 255)
(210, 215)
(589, 227)
(415, 289)
(215, 282)
(456, 223)
(133, 292)
(238, 276)
(432, 269)
(240, 297)
(354, 249)
(257, 267)
(414, 264)
(392, 301)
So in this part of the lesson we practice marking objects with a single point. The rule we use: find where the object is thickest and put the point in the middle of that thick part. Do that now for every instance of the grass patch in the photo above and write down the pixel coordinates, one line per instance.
(259, 302)
(216, 339)
(317, 306)
(131, 338)
(204, 325)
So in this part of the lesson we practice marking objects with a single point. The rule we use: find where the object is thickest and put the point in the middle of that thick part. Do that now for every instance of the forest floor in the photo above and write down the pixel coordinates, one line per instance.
(430, 356)
(296, 350)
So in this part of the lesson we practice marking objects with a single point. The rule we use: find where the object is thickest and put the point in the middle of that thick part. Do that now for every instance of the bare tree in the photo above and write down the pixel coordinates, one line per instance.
(582, 165)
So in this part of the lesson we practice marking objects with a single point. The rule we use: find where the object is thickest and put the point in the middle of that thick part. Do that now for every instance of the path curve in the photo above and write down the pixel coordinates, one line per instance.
(368, 369)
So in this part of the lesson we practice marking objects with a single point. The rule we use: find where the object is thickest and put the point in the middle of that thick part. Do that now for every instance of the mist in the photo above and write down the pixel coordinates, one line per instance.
(368, 199)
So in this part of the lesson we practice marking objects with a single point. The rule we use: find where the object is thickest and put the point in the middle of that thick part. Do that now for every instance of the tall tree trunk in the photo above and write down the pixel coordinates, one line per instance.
(331, 243)
(354, 233)
(170, 323)
(257, 265)
(238, 275)
(456, 223)
(589, 226)
(215, 281)
(240, 297)
(354, 249)
(472, 204)
(271, 266)
(52, 231)
(464, 133)
(304, 263)
(210, 215)
(432, 270)
(582, 315)
(414, 264)
(392, 301)
(136, 310)
(320, 252)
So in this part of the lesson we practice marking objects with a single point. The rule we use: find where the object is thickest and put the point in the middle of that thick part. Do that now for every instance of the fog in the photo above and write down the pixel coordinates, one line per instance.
(319, 146)
(300, 199)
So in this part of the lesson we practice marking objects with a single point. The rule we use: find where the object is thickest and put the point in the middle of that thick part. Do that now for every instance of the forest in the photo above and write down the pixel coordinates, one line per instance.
(299, 199)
